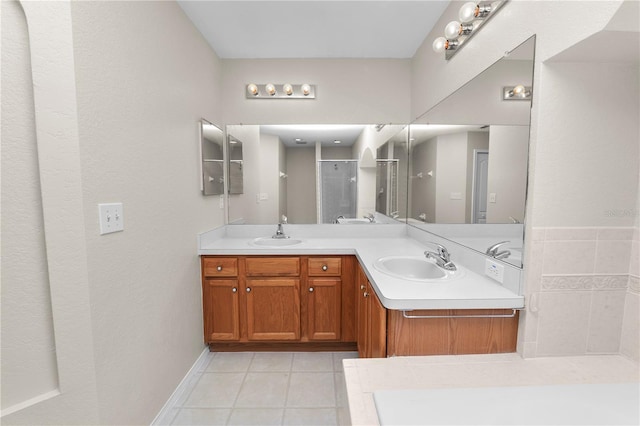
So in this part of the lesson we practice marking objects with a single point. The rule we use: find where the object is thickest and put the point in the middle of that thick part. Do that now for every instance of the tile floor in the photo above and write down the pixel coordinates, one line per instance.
(264, 388)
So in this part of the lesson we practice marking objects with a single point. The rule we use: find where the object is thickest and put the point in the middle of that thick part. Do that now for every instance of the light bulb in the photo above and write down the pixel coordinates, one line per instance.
(271, 89)
(252, 89)
(452, 30)
(519, 90)
(439, 45)
(288, 89)
(468, 12)
(306, 89)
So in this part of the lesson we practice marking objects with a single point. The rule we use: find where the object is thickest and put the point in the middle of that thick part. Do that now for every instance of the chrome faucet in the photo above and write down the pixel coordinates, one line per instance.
(338, 219)
(279, 233)
(395, 215)
(493, 251)
(370, 217)
(441, 257)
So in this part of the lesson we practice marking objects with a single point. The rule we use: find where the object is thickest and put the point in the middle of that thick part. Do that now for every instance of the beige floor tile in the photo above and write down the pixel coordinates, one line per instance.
(309, 390)
(261, 390)
(310, 416)
(312, 361)
(229, 362)
(215, 390)
(258, 416)
(202, 416)
(271, 361)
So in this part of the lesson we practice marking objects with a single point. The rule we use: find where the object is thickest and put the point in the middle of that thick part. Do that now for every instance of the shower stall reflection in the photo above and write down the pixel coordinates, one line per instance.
(337, 190)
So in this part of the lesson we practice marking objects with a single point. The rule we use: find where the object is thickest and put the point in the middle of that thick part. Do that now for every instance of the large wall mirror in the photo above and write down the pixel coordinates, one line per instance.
(307, 174)
(468, 159)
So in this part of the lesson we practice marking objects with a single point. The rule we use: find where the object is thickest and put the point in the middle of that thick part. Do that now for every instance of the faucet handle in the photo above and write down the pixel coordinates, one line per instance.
(492, 250)
(441, 251)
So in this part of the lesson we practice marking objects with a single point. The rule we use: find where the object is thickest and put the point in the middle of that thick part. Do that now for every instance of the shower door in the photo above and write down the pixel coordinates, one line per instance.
(338, 189)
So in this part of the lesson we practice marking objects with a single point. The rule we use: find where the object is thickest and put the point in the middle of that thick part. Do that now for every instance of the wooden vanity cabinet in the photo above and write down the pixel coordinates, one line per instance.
(279, 301)
(272, 290)
(386, 332)
(372, 320)
(456, 334)
(221, 302)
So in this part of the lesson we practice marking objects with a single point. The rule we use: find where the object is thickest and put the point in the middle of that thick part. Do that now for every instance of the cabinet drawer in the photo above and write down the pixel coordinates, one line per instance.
(325, 266)
(220, 266)
(273, 266)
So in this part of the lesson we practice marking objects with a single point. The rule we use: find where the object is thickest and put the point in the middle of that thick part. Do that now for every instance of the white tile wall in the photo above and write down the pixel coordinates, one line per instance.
(579, 296)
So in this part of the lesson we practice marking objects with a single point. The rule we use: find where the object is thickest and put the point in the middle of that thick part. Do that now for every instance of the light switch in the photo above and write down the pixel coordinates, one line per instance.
(264, 196)
(492, 197)
(111, 216)
(455, 196)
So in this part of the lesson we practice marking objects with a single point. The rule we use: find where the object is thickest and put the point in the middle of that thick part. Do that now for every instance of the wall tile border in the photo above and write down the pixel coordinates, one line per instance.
(584, 282)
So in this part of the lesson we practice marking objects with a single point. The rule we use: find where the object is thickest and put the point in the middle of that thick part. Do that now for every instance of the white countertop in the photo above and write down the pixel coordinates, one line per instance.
(473, 291)
(500, 388)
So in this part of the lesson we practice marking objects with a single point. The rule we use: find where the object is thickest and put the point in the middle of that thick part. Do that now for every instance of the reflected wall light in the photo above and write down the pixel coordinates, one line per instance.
(516, 93)
(280, 91)
(472, 16)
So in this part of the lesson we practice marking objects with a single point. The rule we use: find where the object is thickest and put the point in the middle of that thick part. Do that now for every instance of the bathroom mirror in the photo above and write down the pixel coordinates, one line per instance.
(468, 159)
(236, 176)
(312, 173)
(391, 176)
(212, 148)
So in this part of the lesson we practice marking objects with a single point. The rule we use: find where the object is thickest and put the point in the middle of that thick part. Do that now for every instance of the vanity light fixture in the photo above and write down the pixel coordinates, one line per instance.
(472, 16)
(252, 89)
(271, 89)
(516, 93)
(280, 91)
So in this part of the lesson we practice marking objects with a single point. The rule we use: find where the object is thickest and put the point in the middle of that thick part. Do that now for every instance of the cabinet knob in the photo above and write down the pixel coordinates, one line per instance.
(219, 268)
(365, 294)
(248, 289)
(310, 289)
(362, 286)
(235, 290)
(325, 267)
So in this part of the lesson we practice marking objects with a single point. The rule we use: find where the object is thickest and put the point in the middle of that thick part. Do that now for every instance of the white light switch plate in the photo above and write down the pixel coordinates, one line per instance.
(492, 197)
(111, 216)
(494, 270)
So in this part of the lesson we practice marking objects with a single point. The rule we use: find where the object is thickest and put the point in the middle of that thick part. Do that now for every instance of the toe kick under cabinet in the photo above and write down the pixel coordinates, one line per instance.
(279, 302)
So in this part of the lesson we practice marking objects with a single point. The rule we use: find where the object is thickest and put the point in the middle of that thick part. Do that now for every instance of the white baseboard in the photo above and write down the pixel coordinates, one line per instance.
(163, 416)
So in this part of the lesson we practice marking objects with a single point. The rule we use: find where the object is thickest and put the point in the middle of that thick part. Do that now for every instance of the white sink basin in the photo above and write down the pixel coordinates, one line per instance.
(415, 268)
(275, 242)
(354, 221)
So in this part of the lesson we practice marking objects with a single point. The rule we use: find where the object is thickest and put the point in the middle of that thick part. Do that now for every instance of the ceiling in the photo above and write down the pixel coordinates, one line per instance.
(314, 29)
(309, 134)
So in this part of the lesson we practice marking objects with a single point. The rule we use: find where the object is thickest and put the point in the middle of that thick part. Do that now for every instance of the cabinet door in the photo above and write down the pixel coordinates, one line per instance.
(377, 326)
(363, 316)
(324, 308)
(273, 309)
(221, 310)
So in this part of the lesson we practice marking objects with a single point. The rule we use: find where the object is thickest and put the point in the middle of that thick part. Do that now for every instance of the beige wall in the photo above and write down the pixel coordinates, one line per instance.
(507, 176)
(243, 207)
(346, 91)
(118, 112)
(576, 179)
(28, 348)
(451, 178)
(301, 200)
